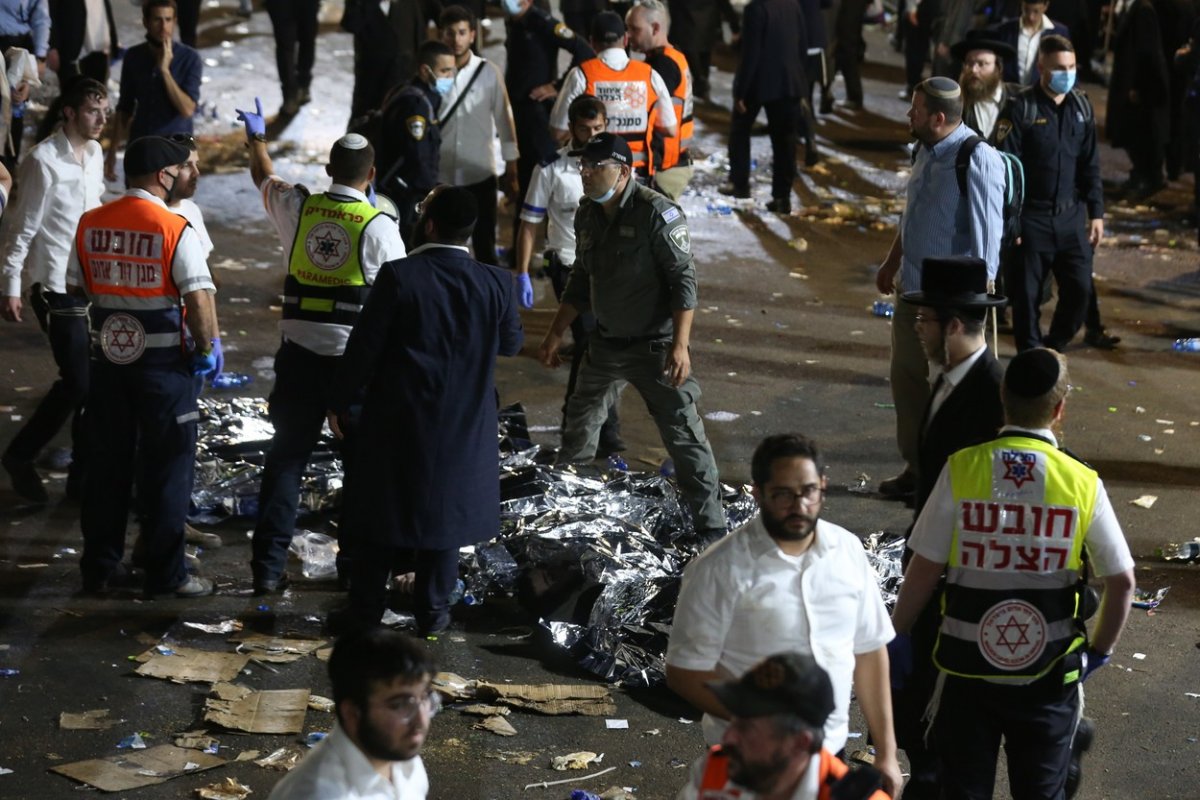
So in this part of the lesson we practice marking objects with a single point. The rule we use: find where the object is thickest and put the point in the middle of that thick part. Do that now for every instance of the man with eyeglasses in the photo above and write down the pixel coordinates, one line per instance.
(634, 271)
(787, 580)
(61, 178)
(384, 701)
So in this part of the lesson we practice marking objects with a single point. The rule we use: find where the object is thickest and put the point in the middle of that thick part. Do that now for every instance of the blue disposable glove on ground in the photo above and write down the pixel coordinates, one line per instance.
(219, 355)
(526, 287)
(203, 363)
(900, 659)
(1093, 660)
(256, 124)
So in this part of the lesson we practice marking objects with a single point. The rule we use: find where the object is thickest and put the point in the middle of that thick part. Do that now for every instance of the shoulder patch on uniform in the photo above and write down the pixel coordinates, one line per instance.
(671, 214)
(681, 238)
(562, 31)
(1003, 129)
(548, 161)
(417, 125)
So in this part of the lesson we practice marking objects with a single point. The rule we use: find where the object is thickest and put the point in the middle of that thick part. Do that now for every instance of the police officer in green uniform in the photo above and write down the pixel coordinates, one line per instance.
(634, 271)
(1015, 524)
(335, 241)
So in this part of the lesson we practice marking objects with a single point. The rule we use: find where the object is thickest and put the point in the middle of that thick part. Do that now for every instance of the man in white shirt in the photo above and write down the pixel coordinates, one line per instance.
(62, 177)
(384, 702)
(182, 203)
(1024, 35)
(630, 90)
(475, 111)
(787, 580)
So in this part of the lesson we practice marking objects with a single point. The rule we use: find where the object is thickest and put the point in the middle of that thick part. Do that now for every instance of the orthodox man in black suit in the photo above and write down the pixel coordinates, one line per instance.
(964, 409)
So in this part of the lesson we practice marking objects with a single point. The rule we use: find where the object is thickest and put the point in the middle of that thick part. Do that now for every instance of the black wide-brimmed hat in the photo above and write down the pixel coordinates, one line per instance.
(982, 40)
(954, 282)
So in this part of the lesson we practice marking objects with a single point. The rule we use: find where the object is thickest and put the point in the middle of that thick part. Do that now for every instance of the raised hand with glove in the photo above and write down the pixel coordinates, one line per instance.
(255, 122)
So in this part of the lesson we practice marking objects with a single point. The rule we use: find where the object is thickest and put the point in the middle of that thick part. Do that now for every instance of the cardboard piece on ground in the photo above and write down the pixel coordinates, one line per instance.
(196, 740)
(275, 649)
(134, 769)
(228, 789)
(192, 666)
(497, 725)
(551, 698)
(454, 686)
(481, 710)
(95, 720)
(240, 708)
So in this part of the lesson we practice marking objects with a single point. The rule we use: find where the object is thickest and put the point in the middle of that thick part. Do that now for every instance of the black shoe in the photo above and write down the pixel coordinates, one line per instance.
(25, 480)
(610, 445)
(290, 108)
(780, 205)
(1101, 340)
(121, 577)
(438, 625)
(901, 486)
(811, 155)
(826, 104)
(304, 96)
(265, 587)
(729, 190)
(1085, 732)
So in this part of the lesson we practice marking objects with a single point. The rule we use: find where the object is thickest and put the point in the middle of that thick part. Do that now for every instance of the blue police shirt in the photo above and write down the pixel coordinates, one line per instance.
(145, 97)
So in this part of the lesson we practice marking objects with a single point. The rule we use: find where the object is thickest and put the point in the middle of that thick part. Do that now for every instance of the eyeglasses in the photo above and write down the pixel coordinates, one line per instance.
(586, 164)
(808, 495)
(922, 318)
(406, 706)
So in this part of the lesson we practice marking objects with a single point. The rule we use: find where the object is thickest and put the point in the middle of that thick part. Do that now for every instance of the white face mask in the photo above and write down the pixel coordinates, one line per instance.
(604, 197)
(512, 7)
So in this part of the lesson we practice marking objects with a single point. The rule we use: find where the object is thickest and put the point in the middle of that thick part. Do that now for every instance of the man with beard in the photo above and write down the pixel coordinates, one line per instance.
(786, 579)
(773, 745)
(61, 177)
(982, 80)
(384, 702)
(160, 84)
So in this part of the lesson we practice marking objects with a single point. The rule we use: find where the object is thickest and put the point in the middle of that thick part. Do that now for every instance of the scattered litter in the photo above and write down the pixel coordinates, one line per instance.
(885, 405)
(497, 725)
(651, 732)
(483, 710)
(1180, 551)
(134, 742)
(883, 308)
(454, 687)
(240, 708)
(228, 789)
(520, 757)
(315, 738)
(548, 784)
(1145, 501)
(551, 698)
(188, 665)
(1142, 437)
(137, 769)
(1140, 656)
(1144, 598)
(677, 763)
(1165, 421)
(95, 720)
(394, 619)
(616, 724)
(686, 721)
(635, 764)
(197, 740)
(721, 416)
(5, 771)
(247, 755)
(1192, 694)
(583, 794)
(861, 484)
(1138, 409)
(225, 626)
(581, 760)
(282, 759)
(275, 649)
(317, 553)
(318, 703)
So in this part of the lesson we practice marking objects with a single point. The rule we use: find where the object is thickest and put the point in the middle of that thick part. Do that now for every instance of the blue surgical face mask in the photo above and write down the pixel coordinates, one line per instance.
(443, 85)
(604, 198)
(512, 7)
(1062, 80)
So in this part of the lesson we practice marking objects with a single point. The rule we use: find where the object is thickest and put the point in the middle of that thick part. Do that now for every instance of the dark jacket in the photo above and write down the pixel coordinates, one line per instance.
(68, 19)
(1009, 32)
(972, 121)
(390, 41)
(1140, 66)
(407, 160)
(774, 48)
(425, 347)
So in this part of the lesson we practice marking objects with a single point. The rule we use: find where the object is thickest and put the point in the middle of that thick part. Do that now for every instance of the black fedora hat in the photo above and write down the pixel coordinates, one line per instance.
(954, 282)
(982, 40)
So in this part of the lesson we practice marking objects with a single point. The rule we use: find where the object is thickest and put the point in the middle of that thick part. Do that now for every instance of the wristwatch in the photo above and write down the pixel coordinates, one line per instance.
(259, 137)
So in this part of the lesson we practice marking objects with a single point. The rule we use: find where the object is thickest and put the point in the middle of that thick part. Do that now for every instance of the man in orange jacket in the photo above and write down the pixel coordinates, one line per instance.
(772, 747)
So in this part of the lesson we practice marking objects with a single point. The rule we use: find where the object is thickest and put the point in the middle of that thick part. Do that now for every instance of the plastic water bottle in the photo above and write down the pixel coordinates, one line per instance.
(667, 468)
(753, 164)
(231, 380)
(882, 308)
(457, 592)
(616, 462)
(1180, 551)
(1187, 345)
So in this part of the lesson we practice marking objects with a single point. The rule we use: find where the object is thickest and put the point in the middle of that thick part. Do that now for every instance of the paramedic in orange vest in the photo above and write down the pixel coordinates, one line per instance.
(649, 24)
(772, 749)
(638, 101)
(153, 328)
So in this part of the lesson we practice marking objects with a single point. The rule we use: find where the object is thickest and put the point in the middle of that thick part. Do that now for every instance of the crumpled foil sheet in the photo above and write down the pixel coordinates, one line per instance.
(884, 551)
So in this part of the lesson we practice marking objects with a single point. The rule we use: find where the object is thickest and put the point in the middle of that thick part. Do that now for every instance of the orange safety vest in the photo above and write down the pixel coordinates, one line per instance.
(670, 150)
(715, 785)
(628, 98)
(126, 249)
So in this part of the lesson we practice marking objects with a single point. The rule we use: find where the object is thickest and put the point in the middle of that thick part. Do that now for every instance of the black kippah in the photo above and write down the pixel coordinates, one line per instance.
(453, 208)
(1032, 373)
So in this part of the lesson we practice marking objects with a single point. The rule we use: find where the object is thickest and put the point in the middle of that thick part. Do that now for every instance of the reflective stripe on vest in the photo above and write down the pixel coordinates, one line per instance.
(1021, 514)
(325, 280)
(628, 97)
(126, 250)
(669, 149)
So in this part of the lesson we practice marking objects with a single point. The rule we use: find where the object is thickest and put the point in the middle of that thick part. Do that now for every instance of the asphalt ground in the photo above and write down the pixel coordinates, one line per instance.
(784, 341)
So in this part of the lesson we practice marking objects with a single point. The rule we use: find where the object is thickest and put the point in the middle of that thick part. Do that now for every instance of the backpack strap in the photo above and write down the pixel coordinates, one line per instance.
(962, 161)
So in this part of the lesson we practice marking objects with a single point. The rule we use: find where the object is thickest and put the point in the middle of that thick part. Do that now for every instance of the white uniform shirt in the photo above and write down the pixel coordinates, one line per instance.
(615, 58)
(189, 270)
(337, 770)
(95, 32)
(467, 154)
(554, 192)
(809, 787)
(39, 228)
(195, 217)
(1108, 552)
(745, 599)
(1027, 49)
(381, 242)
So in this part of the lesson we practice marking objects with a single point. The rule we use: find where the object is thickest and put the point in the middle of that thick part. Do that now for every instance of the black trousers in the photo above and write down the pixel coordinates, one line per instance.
(63, 318)
(532, 121)
(295, 25)
(849, 47)
(483, 240)
(436, 572)
(783, 117)
(93, 65)
(1035, 722)
(916, 50)
(189, 21)
(1058, 246)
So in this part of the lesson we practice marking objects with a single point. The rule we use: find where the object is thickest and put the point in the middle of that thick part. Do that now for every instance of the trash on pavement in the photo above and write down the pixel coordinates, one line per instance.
(616, 724)
(583, 794)
(282, 759)
(132, 742)
(318, 703)
(240, 708)
(497, 725)
(453, 687)
(228, 789)
(484, 710)
(520, 757)
(197, 740)
(1147, 599)
(275, 649)
(581, 760)
(548, 784)
(551, 698)
(225, 626)
(315, 738)
(134, 770)
(1145, 501)
(317, 553)
(1180, 551)
(189, 665)
(95, 720)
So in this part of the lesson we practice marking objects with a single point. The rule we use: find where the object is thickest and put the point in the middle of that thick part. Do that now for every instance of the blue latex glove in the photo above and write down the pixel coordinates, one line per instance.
(900, 658)
(204, 363)
(255, 122)
(219, 355)
(526, 287)
(371, 194)
(1093, 660)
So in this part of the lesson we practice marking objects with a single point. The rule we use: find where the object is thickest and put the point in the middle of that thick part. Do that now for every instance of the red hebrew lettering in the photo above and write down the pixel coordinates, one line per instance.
(1065, 516)
(980, 517)
(1030, 558)
(1006, 551)
(976, 554)
(1048, 552)
(1016, 513)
